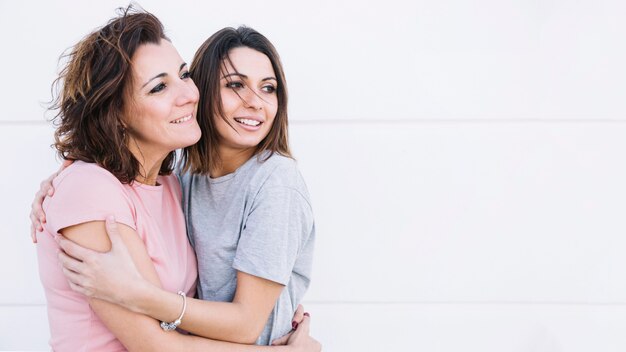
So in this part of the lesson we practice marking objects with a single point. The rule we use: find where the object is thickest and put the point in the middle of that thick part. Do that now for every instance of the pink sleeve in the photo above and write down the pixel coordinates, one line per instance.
(86, 192)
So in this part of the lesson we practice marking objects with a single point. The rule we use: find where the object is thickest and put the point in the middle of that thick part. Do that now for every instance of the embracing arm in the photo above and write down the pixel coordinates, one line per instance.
(139, 332)
(241, 321)
(115, 276)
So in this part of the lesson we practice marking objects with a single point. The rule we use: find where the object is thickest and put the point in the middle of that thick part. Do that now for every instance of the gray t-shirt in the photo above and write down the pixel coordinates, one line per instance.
(256, 220)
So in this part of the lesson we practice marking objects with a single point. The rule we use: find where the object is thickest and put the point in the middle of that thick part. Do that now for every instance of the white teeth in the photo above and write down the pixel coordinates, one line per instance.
(248, 122)
(182, 119)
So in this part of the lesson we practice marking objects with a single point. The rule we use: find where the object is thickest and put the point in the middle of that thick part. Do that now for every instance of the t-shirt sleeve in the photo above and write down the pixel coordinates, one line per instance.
(278, 225)
(87, 193)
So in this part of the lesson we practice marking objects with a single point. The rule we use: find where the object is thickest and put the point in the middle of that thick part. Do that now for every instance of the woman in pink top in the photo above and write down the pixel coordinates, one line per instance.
(126, 104)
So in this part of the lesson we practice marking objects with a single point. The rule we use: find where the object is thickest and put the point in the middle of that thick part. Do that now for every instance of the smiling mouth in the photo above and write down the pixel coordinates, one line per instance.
(248, 122)
(182, 119)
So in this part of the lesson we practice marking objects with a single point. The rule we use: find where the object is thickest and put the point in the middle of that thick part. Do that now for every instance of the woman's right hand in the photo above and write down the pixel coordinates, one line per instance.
(37, 215)
(300, 340)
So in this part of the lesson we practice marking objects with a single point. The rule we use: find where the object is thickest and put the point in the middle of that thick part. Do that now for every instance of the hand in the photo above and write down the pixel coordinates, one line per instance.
(100, 275)
(37, 215)
(298, 316)
(300, 340)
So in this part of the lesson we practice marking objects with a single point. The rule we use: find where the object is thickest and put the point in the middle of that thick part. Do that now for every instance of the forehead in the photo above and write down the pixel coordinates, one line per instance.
(152, 59)
(249, 62)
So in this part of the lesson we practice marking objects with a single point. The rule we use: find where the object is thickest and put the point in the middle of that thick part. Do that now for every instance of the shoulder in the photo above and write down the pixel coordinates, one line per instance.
(88, 182)
(86, 192)
(280, 174)
(279, 170)
(85, 175)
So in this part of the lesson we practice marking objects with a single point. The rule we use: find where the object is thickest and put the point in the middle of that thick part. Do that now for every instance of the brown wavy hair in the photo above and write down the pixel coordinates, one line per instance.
(94, 94)
(205, 72)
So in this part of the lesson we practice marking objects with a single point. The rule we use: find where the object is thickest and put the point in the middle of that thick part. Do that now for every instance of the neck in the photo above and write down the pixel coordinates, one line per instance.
(149, 173)
(149, 165)
(231, 160)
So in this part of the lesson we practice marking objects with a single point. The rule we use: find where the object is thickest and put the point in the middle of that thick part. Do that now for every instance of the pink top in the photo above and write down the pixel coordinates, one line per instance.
(86, 192)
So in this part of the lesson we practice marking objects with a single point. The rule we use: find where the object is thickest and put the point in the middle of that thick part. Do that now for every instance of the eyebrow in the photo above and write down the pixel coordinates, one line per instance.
(163, 74)
(246, 77)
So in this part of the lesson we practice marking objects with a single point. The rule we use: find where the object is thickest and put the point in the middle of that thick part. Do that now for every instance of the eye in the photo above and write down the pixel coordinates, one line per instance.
(269, 88)
(185, 75)
(234, 85)
(159, 87)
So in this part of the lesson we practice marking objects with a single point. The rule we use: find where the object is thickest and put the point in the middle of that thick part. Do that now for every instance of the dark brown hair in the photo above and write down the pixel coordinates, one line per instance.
(94, 94)
(205, 71)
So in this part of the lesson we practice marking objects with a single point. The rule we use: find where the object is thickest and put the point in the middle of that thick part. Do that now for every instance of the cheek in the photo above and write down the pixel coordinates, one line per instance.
(272, 111)
(230, 102)
(223, 129)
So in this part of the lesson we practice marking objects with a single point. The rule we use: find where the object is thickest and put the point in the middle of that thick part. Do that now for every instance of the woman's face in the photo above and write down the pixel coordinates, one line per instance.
(162, 109)
(249, 100)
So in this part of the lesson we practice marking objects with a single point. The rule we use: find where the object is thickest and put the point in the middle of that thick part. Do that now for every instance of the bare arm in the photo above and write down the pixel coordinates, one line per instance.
(139, 332)
(115, 277)
(241, 320)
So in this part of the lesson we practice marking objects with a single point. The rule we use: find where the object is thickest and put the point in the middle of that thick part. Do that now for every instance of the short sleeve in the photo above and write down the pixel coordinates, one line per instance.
(278, 226)
(86, 192)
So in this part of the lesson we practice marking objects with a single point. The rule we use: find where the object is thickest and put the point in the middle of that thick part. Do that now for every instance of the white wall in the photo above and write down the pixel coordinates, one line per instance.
(465, 160)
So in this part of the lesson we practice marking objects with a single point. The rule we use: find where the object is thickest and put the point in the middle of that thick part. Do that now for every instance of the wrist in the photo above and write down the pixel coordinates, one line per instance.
(136, 296)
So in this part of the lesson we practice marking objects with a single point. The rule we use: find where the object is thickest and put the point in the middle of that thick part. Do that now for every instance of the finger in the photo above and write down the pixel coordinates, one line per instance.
(299, 314)
(72, 277)
(34, 222)
(33, 219)
(79, 289)
(36, 207)
(305, 325)
(74, 250)
(282, 340)
(33, 233)
(70, 263)
(113, 231)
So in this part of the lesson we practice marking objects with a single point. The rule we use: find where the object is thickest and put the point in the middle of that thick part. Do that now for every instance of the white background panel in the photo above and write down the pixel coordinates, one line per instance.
(475, 327)
(24, 328)
(371, 59)
(27, 161)
(414, 327)
(467, 211)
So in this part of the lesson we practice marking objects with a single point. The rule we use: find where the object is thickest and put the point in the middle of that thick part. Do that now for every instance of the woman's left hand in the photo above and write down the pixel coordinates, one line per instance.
(298, 317)
(109, 276)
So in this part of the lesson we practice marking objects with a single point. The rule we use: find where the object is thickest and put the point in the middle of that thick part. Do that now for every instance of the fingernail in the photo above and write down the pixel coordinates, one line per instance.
(306, 314)
(294, 325)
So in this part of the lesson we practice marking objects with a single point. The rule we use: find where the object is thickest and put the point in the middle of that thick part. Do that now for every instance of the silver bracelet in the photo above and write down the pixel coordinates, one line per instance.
(173, 325)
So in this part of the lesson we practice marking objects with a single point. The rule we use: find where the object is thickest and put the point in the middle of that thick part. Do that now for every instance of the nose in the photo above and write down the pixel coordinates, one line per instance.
(188, 93)
(252, 100)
